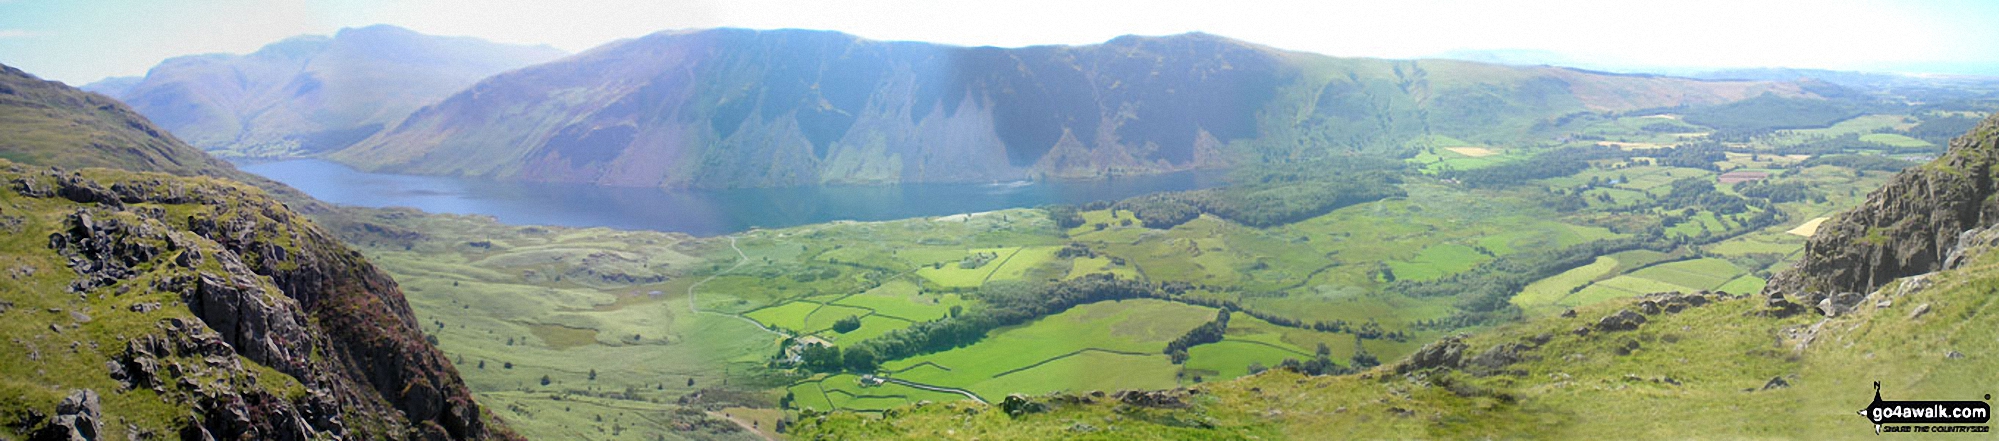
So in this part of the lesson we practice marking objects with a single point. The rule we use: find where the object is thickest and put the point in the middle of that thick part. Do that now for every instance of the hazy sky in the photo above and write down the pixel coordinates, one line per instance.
(81, 41)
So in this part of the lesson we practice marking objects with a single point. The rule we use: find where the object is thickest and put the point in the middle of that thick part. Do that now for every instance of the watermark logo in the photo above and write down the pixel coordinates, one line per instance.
(1927, 416)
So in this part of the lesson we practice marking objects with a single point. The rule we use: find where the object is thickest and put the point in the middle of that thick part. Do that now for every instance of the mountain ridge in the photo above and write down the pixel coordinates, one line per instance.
(735, 107)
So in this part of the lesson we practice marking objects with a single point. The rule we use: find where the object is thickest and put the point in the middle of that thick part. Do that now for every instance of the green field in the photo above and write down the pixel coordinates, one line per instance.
(1699, 274)
(1438, 261)
(1552, 294)
(1015, 357)
(1894, 140)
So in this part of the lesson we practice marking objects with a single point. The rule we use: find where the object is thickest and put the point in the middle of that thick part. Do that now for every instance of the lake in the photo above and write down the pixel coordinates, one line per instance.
(697, 212)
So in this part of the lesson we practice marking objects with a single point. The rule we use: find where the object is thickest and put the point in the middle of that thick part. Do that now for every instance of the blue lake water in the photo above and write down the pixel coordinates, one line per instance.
(698, 212)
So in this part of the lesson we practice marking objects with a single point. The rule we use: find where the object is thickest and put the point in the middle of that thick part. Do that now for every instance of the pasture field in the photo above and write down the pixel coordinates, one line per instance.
(1084, 371)
(1698, 274)
(1552, 294)
(1437, 261)
(1140, 327)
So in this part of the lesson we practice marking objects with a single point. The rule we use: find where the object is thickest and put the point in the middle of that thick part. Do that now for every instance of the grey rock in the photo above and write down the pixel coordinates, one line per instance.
(1624, 320)
(79, 417)
(1016, 405)
(1444, 353)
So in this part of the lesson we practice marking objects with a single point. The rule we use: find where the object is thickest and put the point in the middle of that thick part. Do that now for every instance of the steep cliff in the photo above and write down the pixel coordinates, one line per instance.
(1925, 220)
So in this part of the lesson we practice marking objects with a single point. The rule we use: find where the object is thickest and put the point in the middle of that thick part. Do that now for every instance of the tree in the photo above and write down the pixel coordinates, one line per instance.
(955, 309)
(544, 379)
(1361, 358)
(593, 375)
(821, 358)
(847, 325)
(690, 381)
(859, 359)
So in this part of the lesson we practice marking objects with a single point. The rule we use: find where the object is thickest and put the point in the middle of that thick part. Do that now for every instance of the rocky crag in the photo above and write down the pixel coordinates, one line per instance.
(1929, 218)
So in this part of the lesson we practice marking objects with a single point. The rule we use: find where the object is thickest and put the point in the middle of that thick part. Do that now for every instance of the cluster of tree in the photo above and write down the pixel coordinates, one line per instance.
(1209, 332)
(1075, 250)
(1264, 204)
(848, 324)
(823, 358)
(1064, 215)
(1700, 192)
(1701, 155)
(1322, 362)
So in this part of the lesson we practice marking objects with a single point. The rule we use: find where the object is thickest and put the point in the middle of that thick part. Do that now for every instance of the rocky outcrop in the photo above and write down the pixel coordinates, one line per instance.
(1624, 320)
(1922, 221)
(260, 284)
(1444, 353)
(78, 418)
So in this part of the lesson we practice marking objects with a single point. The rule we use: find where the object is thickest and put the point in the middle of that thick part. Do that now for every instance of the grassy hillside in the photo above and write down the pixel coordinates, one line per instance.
(51, 124)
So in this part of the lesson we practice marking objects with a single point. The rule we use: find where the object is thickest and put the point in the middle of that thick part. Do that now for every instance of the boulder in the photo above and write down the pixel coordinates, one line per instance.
(1445, 353)
(1624, 320)
(1016, 405)
(79, 417)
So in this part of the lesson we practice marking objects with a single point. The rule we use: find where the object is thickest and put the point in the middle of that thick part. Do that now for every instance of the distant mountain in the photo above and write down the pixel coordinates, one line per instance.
(734, 107)
(310, 94)
(166, 300)
(113, 86)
